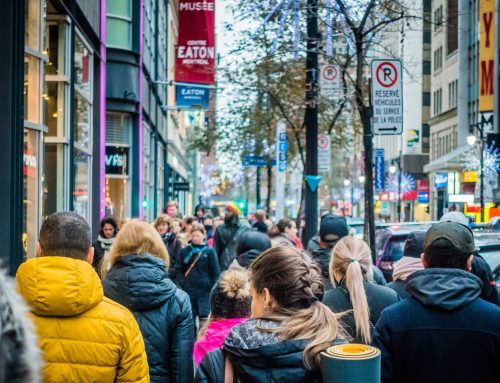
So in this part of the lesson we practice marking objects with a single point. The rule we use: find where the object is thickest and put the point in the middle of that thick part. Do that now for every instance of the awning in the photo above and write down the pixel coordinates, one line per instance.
(450, 161)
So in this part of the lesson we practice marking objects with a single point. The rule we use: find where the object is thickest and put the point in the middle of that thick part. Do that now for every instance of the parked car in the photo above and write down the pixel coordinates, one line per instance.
(358, 224)
(488, 245)
(390, 243)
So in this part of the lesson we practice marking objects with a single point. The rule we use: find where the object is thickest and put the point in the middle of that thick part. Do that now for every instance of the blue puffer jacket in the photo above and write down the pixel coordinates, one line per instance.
(163, 312)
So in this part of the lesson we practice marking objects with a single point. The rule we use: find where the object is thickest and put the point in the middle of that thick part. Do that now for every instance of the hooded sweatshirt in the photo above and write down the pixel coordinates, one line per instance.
(84, 337)
(443, 333)
(163, 312)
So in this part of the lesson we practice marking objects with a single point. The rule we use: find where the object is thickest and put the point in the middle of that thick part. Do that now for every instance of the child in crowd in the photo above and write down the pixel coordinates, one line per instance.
(230, 303)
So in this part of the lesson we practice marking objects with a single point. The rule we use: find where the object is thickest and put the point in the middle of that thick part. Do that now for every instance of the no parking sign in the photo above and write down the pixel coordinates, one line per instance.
(330, 81)
(387, 97)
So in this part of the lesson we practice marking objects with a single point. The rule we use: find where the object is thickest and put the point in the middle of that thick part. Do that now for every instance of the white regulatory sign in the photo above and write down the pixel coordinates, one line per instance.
(387, 97)
(324, 153)
(330, 81)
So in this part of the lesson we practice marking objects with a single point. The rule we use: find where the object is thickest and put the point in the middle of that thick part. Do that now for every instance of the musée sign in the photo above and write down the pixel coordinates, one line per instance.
(195, 58)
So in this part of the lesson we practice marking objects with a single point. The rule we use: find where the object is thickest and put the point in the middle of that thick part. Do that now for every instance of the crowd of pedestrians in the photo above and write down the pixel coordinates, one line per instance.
(210, 299)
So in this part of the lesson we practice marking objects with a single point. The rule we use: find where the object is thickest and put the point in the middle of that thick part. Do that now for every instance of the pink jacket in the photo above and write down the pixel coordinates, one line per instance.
(214, 337)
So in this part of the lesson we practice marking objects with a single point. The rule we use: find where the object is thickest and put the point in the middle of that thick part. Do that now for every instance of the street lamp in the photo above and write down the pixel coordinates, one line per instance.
(362, 179)
(392, 169)
(471, 140)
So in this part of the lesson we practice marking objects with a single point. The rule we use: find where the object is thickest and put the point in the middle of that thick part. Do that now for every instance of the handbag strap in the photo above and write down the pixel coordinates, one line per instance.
(191, 267)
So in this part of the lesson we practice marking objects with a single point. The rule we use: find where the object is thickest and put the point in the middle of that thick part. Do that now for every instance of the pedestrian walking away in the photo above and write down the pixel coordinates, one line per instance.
(250, 245)
(199, 270)
(230, 303)
(445, 332)
(138, 279)
(288, 330)
(331, 229)
(84, 336)
(411, 262)
(351, 273)
(480, 267)
(226, 236)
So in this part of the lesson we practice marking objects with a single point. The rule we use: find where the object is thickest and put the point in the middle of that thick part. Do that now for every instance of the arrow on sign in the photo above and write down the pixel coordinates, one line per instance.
(393, 129)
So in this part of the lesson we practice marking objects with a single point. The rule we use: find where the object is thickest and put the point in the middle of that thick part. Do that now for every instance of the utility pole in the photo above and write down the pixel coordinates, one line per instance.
(311, 118)
(257, 191)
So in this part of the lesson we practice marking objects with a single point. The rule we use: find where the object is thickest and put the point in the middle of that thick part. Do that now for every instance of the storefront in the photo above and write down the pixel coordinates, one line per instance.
(33, 123)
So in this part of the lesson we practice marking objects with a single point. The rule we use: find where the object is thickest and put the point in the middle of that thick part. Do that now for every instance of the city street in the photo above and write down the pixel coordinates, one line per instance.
(194, 189)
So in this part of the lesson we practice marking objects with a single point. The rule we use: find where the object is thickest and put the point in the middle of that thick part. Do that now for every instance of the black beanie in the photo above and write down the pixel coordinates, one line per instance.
(333, 224)
(230, 297)
(414, 245)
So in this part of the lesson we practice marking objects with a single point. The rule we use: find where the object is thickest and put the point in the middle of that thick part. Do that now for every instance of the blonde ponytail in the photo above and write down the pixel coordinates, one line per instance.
(352, 259)
(355, 286)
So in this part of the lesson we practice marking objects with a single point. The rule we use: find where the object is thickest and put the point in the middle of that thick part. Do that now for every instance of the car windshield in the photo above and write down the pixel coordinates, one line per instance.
(492, 257)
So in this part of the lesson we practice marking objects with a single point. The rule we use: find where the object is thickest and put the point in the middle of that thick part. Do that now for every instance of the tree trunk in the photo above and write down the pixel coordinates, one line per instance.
(365, 115)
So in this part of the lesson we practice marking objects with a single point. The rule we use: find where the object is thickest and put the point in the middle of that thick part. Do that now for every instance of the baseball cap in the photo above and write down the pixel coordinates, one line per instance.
(449, 238)
(333, 224)
(414, 245)
(455, 216)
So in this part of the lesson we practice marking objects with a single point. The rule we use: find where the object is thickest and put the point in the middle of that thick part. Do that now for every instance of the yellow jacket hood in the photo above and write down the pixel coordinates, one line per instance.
(59, 286)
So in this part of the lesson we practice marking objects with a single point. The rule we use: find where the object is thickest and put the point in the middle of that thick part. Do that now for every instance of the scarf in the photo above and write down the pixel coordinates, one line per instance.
(105, 243)
(405, 267)
(194, 250)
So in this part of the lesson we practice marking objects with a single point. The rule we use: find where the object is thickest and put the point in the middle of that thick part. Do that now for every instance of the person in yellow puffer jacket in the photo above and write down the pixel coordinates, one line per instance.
(84, 337)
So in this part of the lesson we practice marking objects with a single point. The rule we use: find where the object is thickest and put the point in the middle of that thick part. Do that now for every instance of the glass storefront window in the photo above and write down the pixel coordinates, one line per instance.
(82, 121)
(55, 100)
(117, 201)
(81, 190)
(32, 89)
(32, 23)
(31, 191)
(56, 48)
(83, 67)
(55, 189)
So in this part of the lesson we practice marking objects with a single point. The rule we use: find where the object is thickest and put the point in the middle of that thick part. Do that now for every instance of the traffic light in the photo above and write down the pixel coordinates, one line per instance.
(242, 204)
(145, 203)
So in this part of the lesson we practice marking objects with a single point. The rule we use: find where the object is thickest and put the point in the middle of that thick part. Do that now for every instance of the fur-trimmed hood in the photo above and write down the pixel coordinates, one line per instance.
(20, 359)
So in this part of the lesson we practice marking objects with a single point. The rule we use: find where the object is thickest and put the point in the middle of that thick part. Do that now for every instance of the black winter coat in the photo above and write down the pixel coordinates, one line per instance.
(257, 357)
(378, 297)
(163, 312)
(225, 239)
(443, 333)
(482, 270)
(174, 248)
(203, 275)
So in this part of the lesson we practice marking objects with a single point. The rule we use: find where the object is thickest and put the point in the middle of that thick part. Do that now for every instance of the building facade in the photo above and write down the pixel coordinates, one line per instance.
(409, 153)
(89, 123)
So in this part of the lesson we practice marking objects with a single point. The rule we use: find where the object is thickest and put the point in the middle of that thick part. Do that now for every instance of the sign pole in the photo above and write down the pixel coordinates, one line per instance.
(311, 119)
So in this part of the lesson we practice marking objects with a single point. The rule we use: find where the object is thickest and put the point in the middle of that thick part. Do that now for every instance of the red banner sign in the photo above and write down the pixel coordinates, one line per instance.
(195, 58)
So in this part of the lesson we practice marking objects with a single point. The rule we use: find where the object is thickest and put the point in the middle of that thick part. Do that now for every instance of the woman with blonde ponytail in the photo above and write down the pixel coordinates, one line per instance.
(288, 329)
(351, 272)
